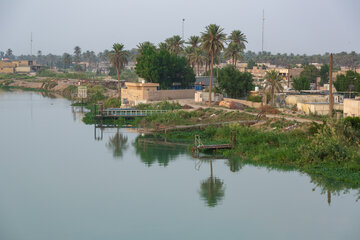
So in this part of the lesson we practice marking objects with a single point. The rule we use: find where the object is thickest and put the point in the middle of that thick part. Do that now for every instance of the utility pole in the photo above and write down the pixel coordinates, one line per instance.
(331, 99)
(31, 41)
(263, 26)
(183, 23)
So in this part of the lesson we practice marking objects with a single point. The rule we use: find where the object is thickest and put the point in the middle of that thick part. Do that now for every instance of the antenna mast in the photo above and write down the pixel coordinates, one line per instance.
(31, 42)
(183, 23)
(262, 40)
(263, 26)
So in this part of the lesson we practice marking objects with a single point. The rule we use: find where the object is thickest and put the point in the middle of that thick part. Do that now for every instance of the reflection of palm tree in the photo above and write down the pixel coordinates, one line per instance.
(212, 190)
(117, 143)
(234, 164)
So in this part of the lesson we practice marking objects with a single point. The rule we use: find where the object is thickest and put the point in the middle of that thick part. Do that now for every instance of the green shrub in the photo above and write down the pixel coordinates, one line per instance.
(254, 98)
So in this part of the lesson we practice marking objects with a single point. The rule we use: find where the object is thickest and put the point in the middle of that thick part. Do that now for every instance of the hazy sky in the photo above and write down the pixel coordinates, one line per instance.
(299, 26)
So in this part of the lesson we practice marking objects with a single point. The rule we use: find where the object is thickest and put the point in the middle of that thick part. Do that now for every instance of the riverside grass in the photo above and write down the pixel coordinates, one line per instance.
(293, 150)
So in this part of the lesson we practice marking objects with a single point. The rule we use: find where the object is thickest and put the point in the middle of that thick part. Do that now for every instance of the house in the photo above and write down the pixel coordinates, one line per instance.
(142, 92)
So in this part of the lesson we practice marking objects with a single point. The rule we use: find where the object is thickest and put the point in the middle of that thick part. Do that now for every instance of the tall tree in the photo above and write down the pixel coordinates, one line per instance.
(66, 59)
(324, 74)
(77, 54)
(233, 52)
(234, 83)
(143, 45)
(273, 83)
(194, 41)
(118, 58)
(301, 83)
(175, 44)
(311, 73)
(239, 38)
(9, 54)
(212, 41)
(165, 68)
(197, 57)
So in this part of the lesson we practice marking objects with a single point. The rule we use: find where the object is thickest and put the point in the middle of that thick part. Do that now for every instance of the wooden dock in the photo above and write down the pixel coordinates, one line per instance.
(199, 146)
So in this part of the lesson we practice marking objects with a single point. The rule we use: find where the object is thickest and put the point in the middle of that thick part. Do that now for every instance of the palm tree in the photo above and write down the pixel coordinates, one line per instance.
(197, 57)
(233, 52)
(212, 41)
(188, 52)
(194, 41)
(143, 45)
(118, 58)
(239, 38)
(273, 83)
(77, 53)
(175, 44)
(163, 46)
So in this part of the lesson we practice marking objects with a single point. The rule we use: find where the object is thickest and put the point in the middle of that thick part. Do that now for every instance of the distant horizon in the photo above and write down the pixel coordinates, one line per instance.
(298, 27)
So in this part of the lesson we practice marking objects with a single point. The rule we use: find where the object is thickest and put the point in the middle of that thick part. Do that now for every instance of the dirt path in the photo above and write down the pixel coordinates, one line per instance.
(196, 105)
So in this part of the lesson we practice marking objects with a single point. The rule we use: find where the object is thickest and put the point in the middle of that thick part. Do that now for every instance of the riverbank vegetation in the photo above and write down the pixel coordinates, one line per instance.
(329, 150)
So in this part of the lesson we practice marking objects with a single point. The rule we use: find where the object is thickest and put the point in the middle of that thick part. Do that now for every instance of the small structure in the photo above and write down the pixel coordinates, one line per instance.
(82, 92)
(318, 108)
(351, 107)
(142, 92)
(204, 97)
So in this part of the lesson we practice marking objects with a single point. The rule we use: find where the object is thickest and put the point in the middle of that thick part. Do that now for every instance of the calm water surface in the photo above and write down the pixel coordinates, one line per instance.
(61, 179)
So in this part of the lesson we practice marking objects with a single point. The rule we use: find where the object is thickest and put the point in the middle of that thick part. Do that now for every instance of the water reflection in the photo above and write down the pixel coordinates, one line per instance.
(212, 190)
(117, 144)
(162, 152)
(78, 113)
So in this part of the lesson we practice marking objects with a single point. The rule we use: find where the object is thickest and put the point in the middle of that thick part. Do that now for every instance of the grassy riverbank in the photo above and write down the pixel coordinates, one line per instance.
(330, 150)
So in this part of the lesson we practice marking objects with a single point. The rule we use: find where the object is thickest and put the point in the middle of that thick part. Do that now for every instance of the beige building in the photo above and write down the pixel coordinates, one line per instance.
(20, 66)
(351, 107)
(141, 92)
(318, 108)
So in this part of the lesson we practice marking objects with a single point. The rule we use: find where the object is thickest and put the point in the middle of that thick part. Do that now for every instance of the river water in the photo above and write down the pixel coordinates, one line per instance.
(61, 180)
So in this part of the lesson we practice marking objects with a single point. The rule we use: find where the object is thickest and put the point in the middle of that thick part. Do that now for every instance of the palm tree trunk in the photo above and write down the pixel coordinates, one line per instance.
(211, 76)
(119, 85)
(272, 96)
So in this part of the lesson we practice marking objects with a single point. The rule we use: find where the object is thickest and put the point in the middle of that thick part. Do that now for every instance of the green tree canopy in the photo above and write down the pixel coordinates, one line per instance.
(77, 54)
(348, 82)
(165, 68)
(234, 83)
(273, 83)
(310, 72)
(251, 64)
(301, 83)
(324, 74)
(66, 59)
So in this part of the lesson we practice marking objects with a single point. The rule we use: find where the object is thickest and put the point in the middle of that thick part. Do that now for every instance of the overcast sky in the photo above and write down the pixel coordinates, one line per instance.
(298, 26)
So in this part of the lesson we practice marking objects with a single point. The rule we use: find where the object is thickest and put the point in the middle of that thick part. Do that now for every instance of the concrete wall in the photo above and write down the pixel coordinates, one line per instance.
(246, 103)
(204, 97)
(6, 70)
(318, 108)
(351, 108)
(23, 69)
(169, 94)
(135, 96)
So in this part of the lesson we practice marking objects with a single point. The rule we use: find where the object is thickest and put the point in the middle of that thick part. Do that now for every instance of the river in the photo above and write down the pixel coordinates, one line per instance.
(62, 180)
